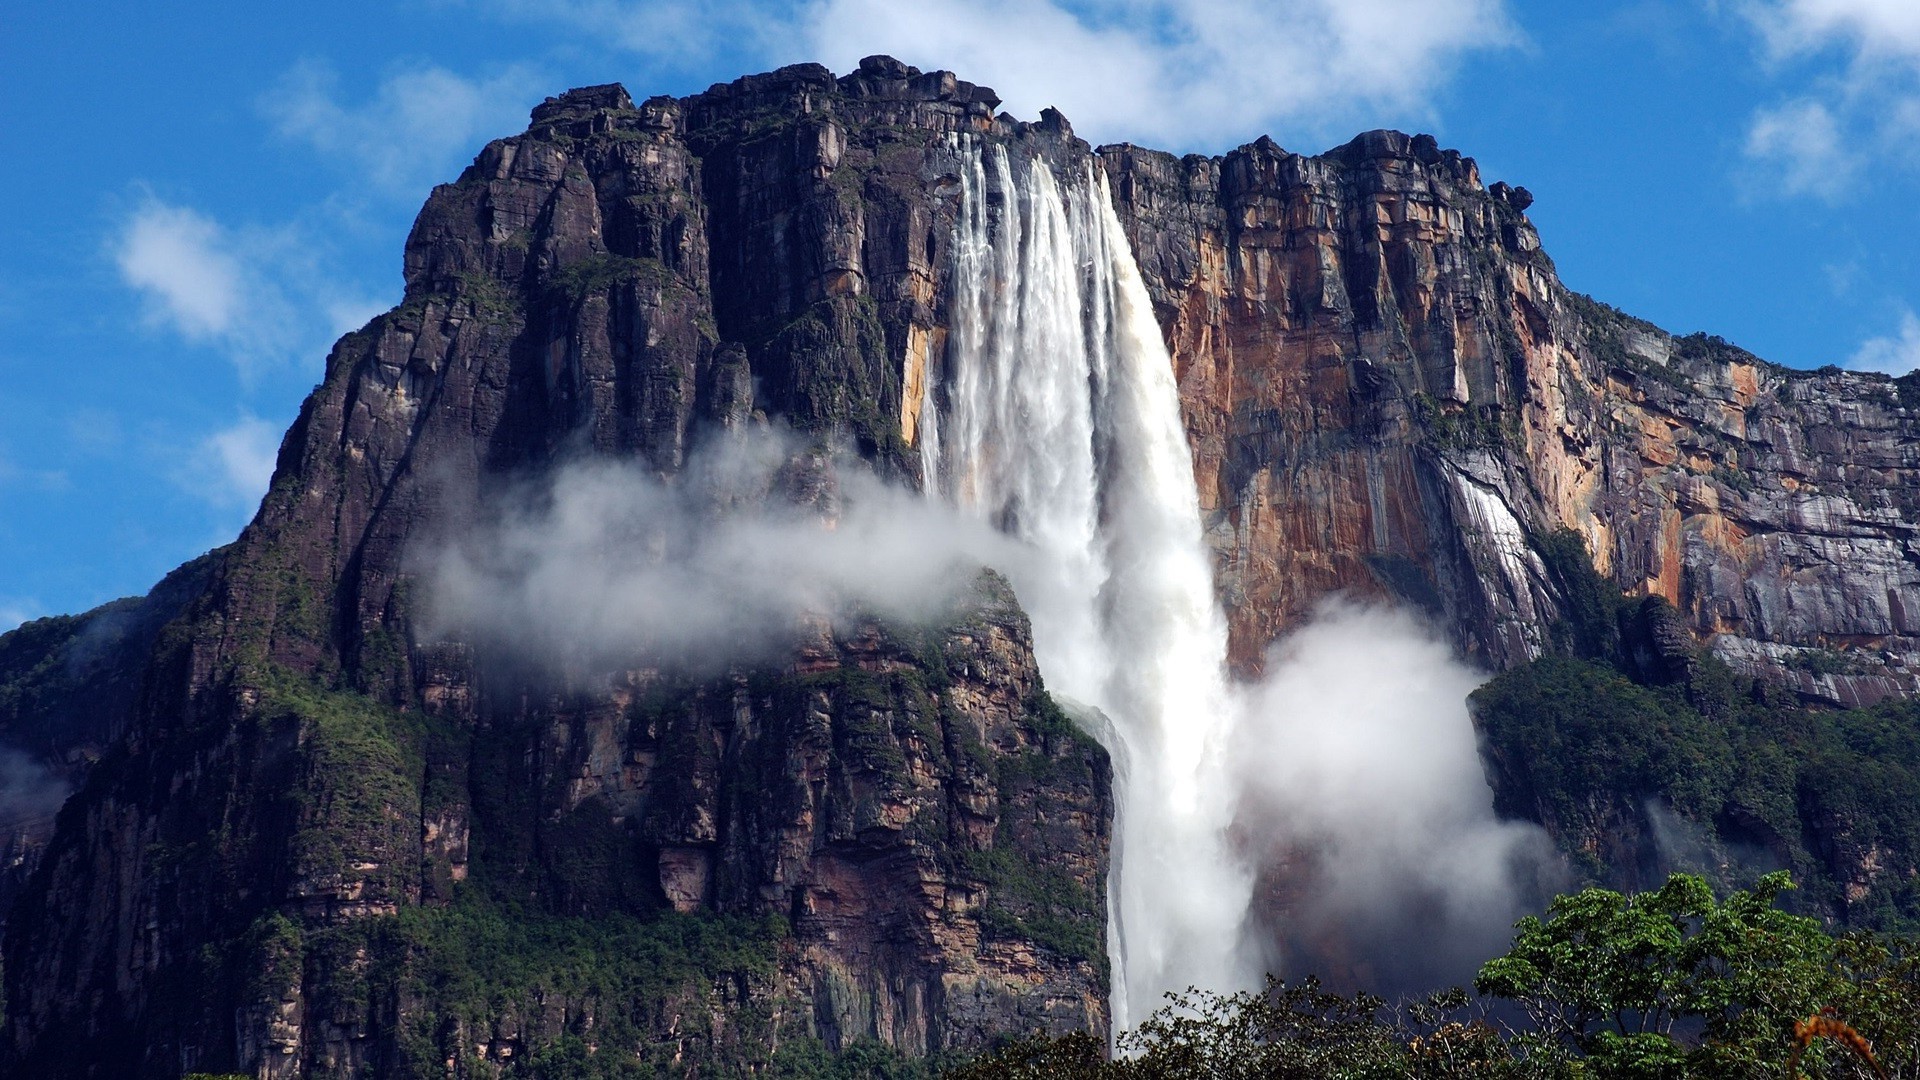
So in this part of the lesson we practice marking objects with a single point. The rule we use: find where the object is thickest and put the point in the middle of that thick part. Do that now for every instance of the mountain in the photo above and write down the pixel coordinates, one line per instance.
(314, 831)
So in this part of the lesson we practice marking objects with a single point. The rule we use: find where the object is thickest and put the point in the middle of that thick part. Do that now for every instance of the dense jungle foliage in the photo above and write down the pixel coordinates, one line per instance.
(1660, 985)
(1643, 755)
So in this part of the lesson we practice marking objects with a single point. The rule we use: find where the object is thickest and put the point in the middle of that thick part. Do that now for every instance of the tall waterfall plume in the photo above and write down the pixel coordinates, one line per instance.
(1062, 426)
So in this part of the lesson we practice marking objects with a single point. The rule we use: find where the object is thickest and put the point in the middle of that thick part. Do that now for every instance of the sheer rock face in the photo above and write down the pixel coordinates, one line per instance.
(621, 281)
(1387, 391)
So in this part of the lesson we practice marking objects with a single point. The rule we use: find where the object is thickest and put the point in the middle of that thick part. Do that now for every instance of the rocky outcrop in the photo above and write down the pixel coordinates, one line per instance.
(1389, 391)
(305, 776)
(68, 688)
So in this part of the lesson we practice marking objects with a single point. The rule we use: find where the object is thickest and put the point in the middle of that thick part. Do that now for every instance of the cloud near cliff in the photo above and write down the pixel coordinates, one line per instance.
(1182, 74)
(264, 297)
(28, 790)
(416, 128)
(1855, 69)
(722, 564)
(1895, 354)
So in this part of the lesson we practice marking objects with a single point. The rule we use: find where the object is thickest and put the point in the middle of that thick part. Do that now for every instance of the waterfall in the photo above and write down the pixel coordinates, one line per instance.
(1062, 426)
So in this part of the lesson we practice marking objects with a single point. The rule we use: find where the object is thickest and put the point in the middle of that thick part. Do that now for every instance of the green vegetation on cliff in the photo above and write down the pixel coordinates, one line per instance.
(1641, 756)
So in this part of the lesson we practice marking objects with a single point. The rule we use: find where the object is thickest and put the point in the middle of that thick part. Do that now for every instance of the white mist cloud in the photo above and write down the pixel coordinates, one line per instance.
(416, 127)
(184, 265)
(720, 565)
(1894, 354)
(1802, 149)
(237, 462)
(1364, 801)
(28, 790)
(1859, 104)
(1354, 761)
(1183, 74)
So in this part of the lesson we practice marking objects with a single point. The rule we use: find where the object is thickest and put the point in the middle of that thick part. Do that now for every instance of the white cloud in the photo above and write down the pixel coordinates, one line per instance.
(15, 612)
(1895, 354)
(231, 468)
(1862, 111)
(182, 262)
(716, 567)
(412, 130)
(211, 284)
(1872, 27)
(1801, 146)
(1361, 784)
(1184, 74)
(262, 296)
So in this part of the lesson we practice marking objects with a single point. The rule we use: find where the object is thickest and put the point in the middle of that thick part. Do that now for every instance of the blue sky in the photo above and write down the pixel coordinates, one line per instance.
(200, 199)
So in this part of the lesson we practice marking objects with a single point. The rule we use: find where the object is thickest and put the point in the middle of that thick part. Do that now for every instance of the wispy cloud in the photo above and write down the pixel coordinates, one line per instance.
(1894, 354)
(262, 296)
(15, 612)
(1857, 63)
(1186, 74)
(1870, 27)
(232, 467)
(184, 265)
(12, 475)
(1800, 147)
(411, 131)
(671, 35)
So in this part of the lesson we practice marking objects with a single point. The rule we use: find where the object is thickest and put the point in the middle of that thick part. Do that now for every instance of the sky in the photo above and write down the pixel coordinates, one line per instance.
(204, 197)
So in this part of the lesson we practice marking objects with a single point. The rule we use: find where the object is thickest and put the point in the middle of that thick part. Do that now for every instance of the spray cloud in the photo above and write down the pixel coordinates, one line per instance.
(1364, 803)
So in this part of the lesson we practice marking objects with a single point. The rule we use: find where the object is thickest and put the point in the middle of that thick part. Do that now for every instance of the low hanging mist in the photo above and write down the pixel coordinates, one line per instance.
(606, 562)
(1331, 818)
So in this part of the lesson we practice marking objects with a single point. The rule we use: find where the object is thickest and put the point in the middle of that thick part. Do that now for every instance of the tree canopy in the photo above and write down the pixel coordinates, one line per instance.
(1668, 983)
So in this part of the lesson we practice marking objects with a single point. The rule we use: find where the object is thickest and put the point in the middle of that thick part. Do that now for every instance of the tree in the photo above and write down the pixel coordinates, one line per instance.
(1669, 983)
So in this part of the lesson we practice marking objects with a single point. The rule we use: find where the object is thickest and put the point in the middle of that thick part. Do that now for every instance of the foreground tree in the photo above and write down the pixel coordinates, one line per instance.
(1675, 983)
(1665, 984)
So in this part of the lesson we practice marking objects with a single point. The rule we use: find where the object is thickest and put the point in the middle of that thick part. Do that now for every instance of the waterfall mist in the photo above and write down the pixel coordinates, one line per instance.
(1364, 804)
(1061, 425)
(731, 561)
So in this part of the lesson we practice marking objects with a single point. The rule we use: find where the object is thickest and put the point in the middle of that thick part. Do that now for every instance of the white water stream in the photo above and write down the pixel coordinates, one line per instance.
(1062, 426)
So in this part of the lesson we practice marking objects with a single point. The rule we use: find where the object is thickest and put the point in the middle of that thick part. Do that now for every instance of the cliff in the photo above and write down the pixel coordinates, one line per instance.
(309, 810)
(309, 838)
(1389, 391)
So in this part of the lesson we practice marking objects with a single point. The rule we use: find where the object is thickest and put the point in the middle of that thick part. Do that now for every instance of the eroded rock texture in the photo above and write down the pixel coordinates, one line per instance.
(1389, 391)
(308, 809)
